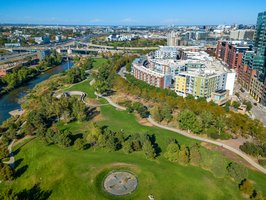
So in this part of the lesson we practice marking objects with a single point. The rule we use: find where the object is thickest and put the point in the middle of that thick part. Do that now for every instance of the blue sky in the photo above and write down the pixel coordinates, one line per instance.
(131, 12)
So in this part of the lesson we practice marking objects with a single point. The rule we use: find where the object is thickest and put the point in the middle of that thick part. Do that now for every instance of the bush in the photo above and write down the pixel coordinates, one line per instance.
(236, 171)
(262, 162)
(172, 152)
(246, 187)
(235, 104)
(79, 144)
(213, 133)
(6, 172)
(254, 149)
(148, 150)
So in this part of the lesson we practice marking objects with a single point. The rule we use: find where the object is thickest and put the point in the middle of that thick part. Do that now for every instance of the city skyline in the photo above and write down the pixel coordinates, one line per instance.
(129, 13)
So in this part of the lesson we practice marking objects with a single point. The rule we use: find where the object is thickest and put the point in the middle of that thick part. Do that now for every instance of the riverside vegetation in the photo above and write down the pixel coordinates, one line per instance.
(23, 74)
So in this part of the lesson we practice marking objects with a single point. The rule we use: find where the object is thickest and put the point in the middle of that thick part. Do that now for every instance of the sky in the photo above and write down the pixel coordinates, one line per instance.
(131, 12)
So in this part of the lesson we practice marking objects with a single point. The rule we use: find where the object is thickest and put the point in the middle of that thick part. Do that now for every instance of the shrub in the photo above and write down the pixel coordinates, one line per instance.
(254, 149)
(246, 186)
(213, 133)
(236, 171)
(262, 162)
(148, 150)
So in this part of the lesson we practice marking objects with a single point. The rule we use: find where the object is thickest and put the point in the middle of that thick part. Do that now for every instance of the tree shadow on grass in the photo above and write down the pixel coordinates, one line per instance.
(16, 152)
(18, 149)
(17, 162)
(73, 138)
(21, 171)
(91, 113)
(34, 193)
(155, 145)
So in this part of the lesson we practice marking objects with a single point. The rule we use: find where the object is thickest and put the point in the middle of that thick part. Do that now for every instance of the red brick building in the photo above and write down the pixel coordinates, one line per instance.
(230, 53)
(149, 76)
(245, 75)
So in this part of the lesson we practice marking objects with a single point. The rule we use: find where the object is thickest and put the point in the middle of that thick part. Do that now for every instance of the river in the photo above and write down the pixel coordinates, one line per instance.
(10, 101)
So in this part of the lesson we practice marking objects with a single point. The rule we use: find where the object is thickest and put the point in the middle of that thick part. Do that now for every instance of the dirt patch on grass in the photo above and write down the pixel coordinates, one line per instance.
(91, 101)
(232, 156)
(142, 121)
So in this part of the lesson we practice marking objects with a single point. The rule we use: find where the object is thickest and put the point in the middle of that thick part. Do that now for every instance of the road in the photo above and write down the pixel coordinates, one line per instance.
(121, 48)
(257, 111)
(195, 137)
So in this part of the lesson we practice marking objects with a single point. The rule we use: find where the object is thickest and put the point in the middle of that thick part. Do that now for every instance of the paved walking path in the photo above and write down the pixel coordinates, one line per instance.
(11, 155)
(110, 102)
(236, 151)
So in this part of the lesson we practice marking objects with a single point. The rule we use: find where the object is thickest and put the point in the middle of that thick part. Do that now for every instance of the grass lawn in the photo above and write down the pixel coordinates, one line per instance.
(72, 174)
(98, 62)
(83, 86)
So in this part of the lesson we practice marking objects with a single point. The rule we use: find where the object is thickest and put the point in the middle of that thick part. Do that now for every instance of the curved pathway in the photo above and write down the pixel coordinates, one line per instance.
(82, 97)
(11, 161)
(110, 101)
(195, 137)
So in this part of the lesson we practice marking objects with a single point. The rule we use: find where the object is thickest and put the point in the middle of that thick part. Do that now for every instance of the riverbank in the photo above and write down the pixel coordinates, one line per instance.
(11, 100)
(6, 91)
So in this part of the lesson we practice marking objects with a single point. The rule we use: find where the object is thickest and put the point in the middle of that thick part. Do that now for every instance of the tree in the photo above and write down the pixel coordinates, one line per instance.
(64, 139)
(127, 147)
(166, 112)
(236, 171)
(186, 119)
(101, 87)
(4, 153)
(220, 123)
(172, 152)
(184, 154)
(8, 194)
(256, 195)
(207, 119)
(156, 114)
(227, 106)
(248, 104)
(136, 145)
(148, 150)
(6, 172)
(79, 144)
(235, 104)
(94, 135)
(195, 155)
(246, 186)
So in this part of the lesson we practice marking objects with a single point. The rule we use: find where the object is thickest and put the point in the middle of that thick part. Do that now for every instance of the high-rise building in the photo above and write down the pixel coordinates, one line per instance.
(252, 72)
(173, 39)
(231, 52)
(259, 60)
(242, 34)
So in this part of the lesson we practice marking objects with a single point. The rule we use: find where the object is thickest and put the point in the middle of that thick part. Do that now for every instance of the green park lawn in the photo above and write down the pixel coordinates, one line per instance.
(74, 174)
(98, 62)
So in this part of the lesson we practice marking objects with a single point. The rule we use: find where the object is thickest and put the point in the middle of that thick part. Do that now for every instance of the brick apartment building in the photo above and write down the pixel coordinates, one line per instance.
(231, 53)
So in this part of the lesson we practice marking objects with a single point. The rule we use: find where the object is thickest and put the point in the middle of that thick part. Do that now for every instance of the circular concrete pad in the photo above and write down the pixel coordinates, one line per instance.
(120, 183)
